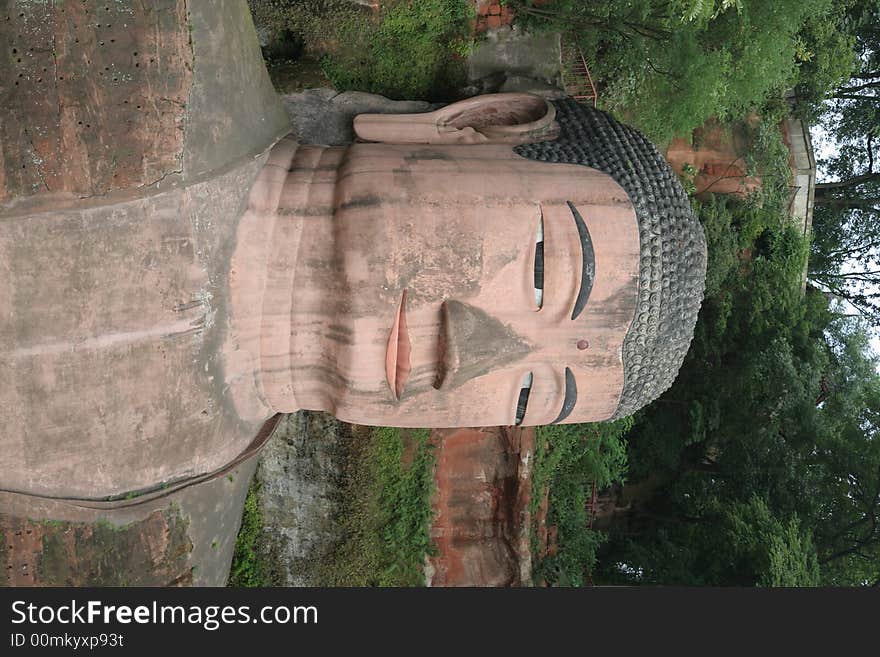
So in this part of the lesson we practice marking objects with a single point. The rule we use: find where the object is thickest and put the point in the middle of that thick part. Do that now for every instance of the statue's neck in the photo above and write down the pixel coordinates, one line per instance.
(274, 282)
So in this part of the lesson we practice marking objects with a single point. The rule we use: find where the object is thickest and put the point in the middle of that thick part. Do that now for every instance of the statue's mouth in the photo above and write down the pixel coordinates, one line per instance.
(397, 358)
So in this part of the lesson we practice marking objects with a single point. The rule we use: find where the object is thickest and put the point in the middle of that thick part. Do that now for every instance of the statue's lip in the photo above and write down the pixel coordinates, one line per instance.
(397, 357)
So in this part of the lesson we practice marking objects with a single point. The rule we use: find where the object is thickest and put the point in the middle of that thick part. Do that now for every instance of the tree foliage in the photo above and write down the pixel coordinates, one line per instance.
(760, 465)
(670, 66)
(569, 460)
(762, 455)
(845, 259)
(409, 50)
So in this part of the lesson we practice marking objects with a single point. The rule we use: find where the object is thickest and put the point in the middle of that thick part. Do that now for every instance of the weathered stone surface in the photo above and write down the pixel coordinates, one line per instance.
(716, 155)
(481, 507)
(523, 84)
(108, 344)
(153, 551)
(130, 134)
(97, 97)
(93, 95)
(299, 473)
(233, 109)
(180, 536)
(512, 52)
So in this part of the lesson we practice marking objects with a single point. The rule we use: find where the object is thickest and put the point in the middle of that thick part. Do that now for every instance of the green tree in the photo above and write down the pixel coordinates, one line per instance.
(407, 50)
(846, 459)
(738, 544)
(759, 465)
(570, 459)
(670, 66)
(845, 253)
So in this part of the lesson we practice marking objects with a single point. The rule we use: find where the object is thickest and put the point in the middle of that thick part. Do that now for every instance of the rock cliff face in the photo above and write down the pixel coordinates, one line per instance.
(481, 519)
(298, 482)
(481, 505)
(715, 155)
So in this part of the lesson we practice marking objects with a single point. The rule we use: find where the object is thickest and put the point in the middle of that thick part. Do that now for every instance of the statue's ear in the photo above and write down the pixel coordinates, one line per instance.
(515, 118)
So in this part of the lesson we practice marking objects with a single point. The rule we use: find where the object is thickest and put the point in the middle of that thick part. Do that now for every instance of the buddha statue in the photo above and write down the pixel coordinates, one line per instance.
(177, 270)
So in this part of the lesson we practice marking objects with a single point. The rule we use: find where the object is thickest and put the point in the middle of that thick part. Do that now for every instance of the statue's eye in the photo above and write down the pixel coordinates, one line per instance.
(523, 400)
(588, 270)
(539, 264)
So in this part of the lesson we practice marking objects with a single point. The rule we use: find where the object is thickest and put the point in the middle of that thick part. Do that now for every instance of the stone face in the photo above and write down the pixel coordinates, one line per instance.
(355, 208)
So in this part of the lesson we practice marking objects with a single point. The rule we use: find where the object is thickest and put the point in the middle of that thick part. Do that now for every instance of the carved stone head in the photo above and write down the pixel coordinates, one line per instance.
(502, 260)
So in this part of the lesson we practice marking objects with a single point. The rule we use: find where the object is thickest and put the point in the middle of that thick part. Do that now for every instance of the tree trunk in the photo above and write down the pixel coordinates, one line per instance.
(822, 188)
(867, 85)
(848, 203)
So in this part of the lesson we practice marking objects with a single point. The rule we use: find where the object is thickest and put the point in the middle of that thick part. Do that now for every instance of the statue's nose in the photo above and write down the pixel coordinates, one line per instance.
(473, 343)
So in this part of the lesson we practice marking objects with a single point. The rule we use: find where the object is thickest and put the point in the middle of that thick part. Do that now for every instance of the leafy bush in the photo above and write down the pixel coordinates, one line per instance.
(569, 459)
(411, 49)
(667, 67)
(408, 53)
(385, 512)
(249, 566)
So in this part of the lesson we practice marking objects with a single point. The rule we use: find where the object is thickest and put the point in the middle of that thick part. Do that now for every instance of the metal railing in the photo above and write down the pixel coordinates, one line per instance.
(576, 75)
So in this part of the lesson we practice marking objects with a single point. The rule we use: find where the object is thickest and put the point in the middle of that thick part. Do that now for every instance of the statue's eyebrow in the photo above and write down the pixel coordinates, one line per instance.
(570, 399)
(588, 271)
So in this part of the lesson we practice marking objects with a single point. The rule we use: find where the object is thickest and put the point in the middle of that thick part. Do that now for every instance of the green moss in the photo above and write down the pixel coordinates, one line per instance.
(250, 565)
(103, 554)
(53, 565)
(384, 512)
(410, 50)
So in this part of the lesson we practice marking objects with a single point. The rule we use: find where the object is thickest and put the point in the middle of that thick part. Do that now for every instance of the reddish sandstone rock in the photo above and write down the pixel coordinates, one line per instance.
(716, 155)
(151, 552)
(481, 521)
(494, 21)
